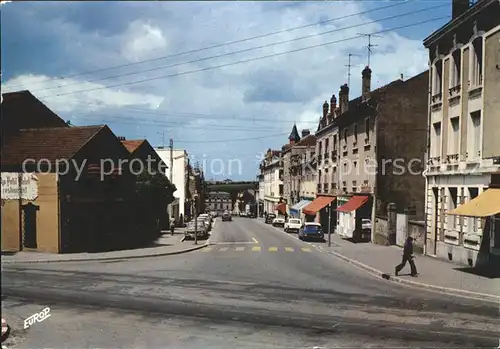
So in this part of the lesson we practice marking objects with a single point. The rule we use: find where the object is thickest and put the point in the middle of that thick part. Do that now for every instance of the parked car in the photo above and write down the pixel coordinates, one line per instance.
(252, 215)
(243, 214)
(201, 230)
(213, 214)
(279, 222)
(226, 216)
(311, 230)
(269, 218)
(208, 220)
(293, 225)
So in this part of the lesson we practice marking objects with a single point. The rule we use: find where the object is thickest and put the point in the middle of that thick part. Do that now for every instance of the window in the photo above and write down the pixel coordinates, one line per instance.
(452, 204)
(367, 128)
(472, 222)
(474, 141)
(345, 135)
(334, 142)
(436, 140)
(319, 176)
(455, 65)
(326, 145)
(454, 136)
(476, 68)
(437, 77)
(355, 133)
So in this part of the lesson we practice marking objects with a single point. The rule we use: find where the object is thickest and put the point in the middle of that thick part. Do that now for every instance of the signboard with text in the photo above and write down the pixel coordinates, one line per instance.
(10, 186)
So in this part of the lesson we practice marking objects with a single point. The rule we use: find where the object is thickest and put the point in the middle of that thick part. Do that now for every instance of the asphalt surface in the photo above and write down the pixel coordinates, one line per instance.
(255, 287)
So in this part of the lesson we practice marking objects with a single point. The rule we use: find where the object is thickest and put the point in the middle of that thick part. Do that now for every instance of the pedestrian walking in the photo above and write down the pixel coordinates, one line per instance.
(407, 257)
(172, 227)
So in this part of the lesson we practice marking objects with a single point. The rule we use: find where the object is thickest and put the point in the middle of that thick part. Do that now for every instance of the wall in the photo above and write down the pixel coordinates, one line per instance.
(402, 136)
(47, 219)
(415, 230)
(179, 173)
(491, 140)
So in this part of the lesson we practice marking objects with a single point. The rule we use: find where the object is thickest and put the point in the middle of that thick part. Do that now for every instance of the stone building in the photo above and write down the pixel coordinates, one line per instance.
(218, 201)
(464, 122)
(272, 169)
(289, 181)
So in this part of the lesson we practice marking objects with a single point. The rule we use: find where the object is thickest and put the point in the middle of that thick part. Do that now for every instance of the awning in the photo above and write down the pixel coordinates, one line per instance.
(485, 204)
(281, 208)
(317, 204)
(353, 204)
(300, 205)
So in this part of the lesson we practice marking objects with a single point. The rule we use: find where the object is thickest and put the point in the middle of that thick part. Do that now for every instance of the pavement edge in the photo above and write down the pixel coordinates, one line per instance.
(441, 289)
(107, 258)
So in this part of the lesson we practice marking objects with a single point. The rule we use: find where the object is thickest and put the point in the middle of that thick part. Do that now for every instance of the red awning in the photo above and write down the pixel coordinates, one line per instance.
(281, 208)
(319, 203)
(353, 204)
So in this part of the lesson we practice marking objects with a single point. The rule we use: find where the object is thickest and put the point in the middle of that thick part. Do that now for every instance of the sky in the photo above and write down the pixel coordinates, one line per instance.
(206, 74)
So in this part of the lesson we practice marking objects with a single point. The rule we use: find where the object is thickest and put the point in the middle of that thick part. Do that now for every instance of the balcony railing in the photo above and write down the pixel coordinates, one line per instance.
(436, 98)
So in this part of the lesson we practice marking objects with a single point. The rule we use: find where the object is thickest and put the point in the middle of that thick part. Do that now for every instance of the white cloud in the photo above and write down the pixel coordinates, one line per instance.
(141, 40)
(265, 94)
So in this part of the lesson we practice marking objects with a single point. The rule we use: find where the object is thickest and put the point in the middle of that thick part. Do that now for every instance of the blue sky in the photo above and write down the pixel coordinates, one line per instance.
(233, 112)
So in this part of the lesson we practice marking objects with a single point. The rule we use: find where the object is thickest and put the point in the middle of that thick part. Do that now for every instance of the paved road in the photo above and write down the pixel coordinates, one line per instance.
(255, 287)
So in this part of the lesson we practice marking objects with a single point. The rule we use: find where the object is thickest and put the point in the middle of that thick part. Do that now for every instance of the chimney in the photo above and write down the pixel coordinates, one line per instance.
(121, 138)
(366, 83)
(305, 133)
(458, 7)
(333, 106)
(325, 110)
(344, 98)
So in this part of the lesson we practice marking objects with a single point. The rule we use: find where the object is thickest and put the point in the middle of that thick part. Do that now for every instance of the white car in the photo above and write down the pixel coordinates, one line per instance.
(279, 222)
(293, 225)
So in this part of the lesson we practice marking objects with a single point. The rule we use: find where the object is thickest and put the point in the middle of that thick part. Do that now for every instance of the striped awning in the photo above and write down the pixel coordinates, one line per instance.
(299, 205)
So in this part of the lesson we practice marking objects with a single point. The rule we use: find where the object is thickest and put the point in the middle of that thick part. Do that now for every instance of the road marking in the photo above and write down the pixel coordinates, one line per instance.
(256, 248)
(233, 243)
(239, 249)
(207, 249)
(255, 240)
(289, 249)
(223, 248)
(273, 249)
(306, 249)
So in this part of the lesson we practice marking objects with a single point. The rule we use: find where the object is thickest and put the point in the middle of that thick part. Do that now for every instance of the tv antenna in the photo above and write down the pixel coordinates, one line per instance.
(162, 138)
(369, 46)
(349, 69)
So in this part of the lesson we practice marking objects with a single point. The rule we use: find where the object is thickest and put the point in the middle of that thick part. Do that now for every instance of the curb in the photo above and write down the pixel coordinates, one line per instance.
(106, 258)
(5, 330)
(395, 279)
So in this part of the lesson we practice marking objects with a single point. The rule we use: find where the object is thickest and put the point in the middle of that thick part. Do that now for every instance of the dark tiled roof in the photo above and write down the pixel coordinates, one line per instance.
(294, 135)
(47, 143)
(132, 144)
(308, 140)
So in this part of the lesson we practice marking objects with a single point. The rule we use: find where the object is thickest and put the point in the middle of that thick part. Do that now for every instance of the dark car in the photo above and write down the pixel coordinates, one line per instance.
(252, 215)
(311, 230)
(270, 217)
(226, 216)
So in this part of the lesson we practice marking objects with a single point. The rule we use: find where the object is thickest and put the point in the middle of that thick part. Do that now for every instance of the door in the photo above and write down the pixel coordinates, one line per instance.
(29, 225)
(435, 215)
(401, 229)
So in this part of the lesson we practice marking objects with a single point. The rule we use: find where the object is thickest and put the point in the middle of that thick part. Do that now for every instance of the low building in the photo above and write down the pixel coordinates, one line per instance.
(178, 175)
(73, 195)
(464, 147)
(218, 201)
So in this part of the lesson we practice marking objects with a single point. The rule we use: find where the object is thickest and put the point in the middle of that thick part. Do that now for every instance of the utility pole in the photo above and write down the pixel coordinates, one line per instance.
(330, 224)
(170, 211)
(195, 213)
(369, 46)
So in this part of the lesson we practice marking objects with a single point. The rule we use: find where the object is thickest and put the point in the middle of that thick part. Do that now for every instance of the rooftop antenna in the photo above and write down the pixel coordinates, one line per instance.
(369, 46)
(349, 69)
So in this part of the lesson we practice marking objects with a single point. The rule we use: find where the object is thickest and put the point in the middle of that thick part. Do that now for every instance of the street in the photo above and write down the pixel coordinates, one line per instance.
(253, 287)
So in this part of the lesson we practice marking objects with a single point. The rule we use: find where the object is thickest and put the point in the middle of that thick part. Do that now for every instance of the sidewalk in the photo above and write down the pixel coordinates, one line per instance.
(165, 245)
(434, 274)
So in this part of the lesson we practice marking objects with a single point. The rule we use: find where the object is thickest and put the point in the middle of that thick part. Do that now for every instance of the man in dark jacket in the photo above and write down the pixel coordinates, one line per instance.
(407, 257)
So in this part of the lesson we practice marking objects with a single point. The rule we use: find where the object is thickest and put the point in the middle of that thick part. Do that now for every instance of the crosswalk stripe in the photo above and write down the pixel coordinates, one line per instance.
(273, 249)
(256, 248)
(223, 248)
(306, 249)
(239, 249)
(207, 249)
(289, 249)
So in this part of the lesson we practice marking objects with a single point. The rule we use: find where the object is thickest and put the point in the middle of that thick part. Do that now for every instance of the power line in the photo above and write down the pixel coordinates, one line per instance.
(243, 50)
(235, 140)
(224, 44)
(241, 61)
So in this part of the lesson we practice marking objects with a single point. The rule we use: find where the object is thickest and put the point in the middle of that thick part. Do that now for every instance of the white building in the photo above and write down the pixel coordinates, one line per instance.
(272, 169)
(464, 124)
(180, 162)
(218, 201)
